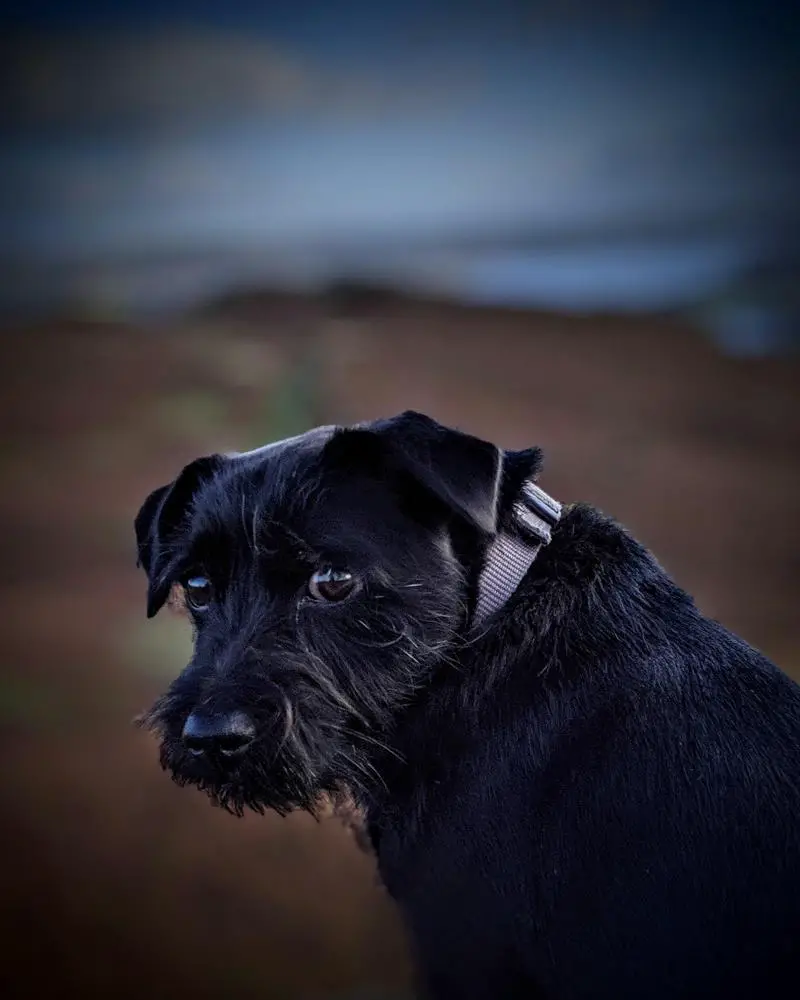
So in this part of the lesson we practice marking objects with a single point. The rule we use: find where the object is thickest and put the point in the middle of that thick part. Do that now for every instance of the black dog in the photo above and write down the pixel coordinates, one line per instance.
(576, 785)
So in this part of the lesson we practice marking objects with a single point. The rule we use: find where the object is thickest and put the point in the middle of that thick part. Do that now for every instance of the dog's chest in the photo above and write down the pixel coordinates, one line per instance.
(461, 907)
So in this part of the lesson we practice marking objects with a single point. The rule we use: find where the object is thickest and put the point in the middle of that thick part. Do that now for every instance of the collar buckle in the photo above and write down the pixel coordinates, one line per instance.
(536, 513)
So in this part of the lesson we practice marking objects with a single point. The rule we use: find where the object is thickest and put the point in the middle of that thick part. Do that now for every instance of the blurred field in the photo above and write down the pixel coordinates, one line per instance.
(116, 883)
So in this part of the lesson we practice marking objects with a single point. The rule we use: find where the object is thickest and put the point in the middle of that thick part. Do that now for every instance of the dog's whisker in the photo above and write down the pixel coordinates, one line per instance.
(354, 734)
(367, 644)
(365, 768)
(254, 532)
(243, 515)
(288, 722)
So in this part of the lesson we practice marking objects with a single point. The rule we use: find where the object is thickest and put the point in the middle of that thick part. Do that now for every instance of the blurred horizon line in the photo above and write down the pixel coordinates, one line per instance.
(744, 293)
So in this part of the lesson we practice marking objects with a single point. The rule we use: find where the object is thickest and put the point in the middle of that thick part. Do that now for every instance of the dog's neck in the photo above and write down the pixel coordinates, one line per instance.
(561, 631)
(512, 551)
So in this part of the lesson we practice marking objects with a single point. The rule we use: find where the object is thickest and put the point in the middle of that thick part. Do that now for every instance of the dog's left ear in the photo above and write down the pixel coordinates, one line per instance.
(157, 522)
(463, 472)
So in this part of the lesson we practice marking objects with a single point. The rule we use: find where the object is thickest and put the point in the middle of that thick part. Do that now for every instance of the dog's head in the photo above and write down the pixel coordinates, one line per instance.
(327, 578)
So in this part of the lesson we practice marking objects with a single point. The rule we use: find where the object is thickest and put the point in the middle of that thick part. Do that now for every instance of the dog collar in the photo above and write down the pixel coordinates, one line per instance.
(511, 553)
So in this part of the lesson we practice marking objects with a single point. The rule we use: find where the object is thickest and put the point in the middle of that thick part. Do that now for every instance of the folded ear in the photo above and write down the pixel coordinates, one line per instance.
(461, 471)
(159, 521)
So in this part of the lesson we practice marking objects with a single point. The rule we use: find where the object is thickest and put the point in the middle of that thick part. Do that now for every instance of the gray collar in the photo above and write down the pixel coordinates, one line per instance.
(511, 553)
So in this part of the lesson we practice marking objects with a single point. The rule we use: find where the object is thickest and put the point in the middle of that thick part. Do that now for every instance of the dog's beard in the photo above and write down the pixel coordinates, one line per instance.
(322, 722)
(285, 768)
(258, 782)
(312, 754)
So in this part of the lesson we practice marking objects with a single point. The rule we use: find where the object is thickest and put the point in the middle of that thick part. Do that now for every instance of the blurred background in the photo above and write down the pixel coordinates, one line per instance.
(564, 222)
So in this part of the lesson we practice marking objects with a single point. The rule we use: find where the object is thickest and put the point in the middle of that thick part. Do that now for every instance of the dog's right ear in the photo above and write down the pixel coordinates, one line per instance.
(461, 472)
(158, 522)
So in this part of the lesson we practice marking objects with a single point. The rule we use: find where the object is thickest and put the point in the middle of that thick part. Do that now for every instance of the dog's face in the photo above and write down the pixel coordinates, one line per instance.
(327, 578)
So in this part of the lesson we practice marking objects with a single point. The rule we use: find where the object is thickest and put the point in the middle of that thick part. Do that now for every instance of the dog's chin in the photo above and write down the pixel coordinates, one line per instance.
(258, 782)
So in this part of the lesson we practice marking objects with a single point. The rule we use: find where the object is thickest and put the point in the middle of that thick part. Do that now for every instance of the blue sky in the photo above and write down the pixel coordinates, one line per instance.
(273, 124)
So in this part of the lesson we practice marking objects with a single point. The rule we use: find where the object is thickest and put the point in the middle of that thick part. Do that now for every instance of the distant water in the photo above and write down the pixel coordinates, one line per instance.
(639, 277)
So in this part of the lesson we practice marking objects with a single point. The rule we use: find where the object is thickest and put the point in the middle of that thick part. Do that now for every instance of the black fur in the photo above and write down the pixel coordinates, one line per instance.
(596, 794)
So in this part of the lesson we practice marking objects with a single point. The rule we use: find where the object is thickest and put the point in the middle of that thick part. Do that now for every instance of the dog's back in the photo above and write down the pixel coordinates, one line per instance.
(676, 816)
(626, 823)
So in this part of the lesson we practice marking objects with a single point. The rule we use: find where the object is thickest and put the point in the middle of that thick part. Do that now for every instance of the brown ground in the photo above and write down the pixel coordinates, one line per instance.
(117, 883)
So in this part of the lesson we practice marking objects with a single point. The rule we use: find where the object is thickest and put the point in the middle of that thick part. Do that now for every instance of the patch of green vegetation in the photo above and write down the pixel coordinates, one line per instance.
(27, 702)
(191, 414)
(291, 407)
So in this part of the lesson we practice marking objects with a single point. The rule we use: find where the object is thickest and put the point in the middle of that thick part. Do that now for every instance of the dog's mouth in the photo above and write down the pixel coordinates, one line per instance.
(239, 784)
(269, 774)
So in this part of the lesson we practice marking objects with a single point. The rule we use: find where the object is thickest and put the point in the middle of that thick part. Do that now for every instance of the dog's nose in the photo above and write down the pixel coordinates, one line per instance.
(224, 734)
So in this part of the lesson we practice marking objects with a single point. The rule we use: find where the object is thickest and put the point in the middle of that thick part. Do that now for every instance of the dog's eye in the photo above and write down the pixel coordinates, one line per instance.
(331, 584)
(199, 592)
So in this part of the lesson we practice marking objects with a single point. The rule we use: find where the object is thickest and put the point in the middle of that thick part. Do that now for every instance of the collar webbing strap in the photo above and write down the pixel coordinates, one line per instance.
(511, 553)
